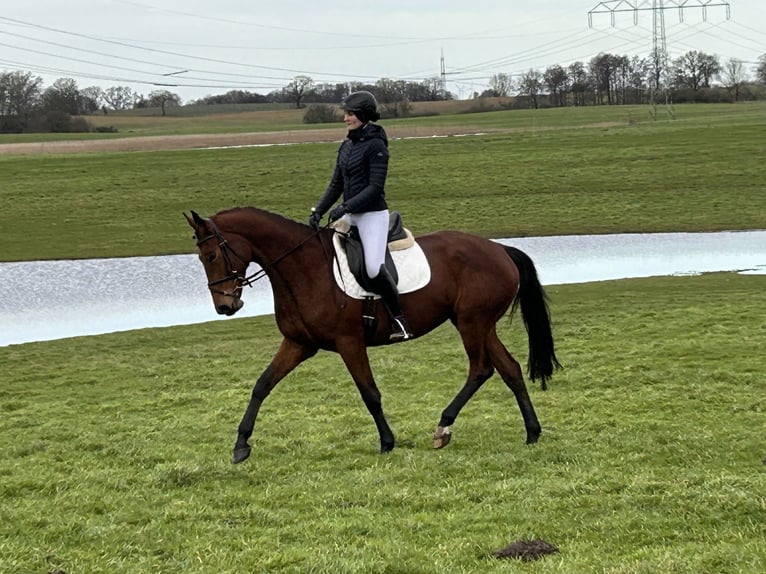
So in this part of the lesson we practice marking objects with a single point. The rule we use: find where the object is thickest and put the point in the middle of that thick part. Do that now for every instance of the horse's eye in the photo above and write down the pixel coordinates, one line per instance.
(210, 257)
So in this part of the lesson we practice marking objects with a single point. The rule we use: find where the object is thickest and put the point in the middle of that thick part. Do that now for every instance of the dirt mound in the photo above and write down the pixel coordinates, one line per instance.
(526, 550)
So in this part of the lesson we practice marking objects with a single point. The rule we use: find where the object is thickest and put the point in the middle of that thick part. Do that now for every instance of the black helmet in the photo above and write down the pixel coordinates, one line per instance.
(363, 105)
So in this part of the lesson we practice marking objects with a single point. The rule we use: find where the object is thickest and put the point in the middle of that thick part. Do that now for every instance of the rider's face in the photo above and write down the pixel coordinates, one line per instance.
(352, 122)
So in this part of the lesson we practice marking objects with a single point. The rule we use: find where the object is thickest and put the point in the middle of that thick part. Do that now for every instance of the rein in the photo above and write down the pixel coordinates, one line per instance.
(239, 278)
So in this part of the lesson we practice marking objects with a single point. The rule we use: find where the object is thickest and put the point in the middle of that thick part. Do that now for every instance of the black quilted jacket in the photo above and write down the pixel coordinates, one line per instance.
(360, 172)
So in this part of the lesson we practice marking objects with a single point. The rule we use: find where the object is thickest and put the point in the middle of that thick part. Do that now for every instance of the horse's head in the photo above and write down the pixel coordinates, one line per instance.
(224, 266)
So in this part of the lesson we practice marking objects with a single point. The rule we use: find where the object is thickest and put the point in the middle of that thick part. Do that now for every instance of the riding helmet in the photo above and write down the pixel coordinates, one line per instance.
(363, 104)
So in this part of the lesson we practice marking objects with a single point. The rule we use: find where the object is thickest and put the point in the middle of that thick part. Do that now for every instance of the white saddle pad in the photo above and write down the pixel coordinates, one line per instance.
(411, 264)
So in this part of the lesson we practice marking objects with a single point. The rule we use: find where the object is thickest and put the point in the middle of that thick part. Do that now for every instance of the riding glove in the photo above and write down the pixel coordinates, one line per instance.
(338, 212)
(314, 219)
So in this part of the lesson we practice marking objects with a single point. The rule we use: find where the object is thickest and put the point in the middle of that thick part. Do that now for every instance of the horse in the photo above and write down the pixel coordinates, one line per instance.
(474, 281)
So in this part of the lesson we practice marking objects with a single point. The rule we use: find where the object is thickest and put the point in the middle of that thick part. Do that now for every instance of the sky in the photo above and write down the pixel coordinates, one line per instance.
(196, 48)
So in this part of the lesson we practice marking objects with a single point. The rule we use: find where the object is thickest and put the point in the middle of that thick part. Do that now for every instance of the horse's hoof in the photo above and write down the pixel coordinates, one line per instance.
(442, 436)
(533, 436)
(386, 448)
(240, 454)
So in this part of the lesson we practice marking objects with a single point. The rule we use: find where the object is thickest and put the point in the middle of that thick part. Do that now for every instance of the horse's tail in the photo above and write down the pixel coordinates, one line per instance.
(534, 311)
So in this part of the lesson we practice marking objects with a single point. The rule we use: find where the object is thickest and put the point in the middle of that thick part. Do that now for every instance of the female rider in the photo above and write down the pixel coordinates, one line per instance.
(360, 177)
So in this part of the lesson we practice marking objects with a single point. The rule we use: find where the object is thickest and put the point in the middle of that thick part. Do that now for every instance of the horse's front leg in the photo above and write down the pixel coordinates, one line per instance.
(289, 356)
(354, 355)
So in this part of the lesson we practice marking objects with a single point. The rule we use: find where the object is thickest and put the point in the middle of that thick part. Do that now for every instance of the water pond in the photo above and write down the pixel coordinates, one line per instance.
(56, 299)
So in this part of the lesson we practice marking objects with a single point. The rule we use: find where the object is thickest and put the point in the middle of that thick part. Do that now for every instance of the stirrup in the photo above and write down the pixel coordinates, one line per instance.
(402, 332)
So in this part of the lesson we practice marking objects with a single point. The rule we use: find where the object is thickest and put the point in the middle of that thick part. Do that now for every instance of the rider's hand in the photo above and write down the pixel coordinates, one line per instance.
(337, 213)
(314, 219)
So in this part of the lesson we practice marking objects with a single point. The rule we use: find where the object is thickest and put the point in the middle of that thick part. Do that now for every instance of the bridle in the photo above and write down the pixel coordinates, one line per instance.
(227, 251)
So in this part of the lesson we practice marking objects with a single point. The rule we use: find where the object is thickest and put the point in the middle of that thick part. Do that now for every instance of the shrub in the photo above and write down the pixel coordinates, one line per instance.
(11, 125)
(321, 114)
(57, 121)
(398, 109)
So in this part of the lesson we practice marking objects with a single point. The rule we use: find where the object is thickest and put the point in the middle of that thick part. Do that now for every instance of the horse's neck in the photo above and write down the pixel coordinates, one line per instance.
(269, 235)
(282, 247)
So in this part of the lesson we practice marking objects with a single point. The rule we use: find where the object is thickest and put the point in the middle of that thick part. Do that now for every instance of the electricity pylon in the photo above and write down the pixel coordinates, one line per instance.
(443, 79)
(660, 88)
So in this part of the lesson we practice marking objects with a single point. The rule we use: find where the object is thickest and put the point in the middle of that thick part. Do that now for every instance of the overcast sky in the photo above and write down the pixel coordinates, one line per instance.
(196, 48)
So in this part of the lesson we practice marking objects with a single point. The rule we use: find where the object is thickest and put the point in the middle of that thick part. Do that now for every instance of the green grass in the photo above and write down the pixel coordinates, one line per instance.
(703, 172)
(116, 448)
(485, 114)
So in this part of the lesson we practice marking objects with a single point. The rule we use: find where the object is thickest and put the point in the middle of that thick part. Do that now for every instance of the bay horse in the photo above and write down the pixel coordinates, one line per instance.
(474, 282)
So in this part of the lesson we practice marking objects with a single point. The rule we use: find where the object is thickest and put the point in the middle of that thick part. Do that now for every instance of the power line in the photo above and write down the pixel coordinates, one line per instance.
(659, 36)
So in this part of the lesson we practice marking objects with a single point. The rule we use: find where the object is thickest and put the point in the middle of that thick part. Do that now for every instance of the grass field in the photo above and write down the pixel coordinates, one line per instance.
(115, 449)
(481, 114)
(702, 172)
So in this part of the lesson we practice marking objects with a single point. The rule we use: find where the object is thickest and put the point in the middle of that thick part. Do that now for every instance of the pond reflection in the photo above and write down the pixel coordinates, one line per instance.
(55, 299)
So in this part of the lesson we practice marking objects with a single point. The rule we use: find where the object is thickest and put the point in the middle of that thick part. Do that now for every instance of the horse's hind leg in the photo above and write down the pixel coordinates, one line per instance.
(510, 371)
(289, 356)
(479, 370)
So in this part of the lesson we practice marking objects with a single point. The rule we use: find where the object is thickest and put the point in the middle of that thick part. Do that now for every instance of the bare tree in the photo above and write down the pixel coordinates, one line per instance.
(120, 97)
(640, 71)
(90, 99)
(760, 70)
(621, 78)
(578, 81)
(429, 90)
(734, 77)
(710, 67)
(531, 84)
(163, 99)
(62, 96)
(330, 93)
(603, 70)
(695, 70)
(20, 92)
(298, 89)
(557, 81)
(392, 97)
(501, 85)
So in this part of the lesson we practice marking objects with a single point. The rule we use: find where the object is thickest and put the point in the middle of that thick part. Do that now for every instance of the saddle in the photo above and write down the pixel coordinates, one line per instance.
(398, 238)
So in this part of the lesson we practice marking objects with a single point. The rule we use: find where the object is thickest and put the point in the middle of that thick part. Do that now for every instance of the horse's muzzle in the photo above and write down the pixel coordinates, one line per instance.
(229, 309)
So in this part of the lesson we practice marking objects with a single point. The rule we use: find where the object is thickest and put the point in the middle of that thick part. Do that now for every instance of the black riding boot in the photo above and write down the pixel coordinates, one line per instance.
(386, 287)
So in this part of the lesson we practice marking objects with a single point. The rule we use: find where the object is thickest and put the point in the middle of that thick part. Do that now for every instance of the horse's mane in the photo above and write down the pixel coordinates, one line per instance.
(256, 211)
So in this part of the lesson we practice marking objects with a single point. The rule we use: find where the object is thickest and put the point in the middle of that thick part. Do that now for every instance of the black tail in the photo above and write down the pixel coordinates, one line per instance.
(534, 311)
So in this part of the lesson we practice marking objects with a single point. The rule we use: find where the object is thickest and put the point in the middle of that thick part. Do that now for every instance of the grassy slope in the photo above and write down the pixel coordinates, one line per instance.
(702, 172)
(116, 448)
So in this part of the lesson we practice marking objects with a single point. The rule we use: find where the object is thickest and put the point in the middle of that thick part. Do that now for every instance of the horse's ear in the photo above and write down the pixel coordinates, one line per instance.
(195, 220)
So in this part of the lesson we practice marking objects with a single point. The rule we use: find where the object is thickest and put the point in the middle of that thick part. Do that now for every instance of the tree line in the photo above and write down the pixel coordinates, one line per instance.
(607, 79)
(610, 79)
(25, 106)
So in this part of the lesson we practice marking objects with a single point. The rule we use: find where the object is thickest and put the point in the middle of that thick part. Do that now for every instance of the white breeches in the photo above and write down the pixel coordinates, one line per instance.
(373, 231)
